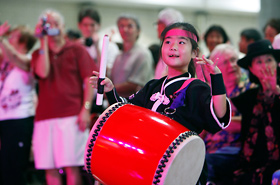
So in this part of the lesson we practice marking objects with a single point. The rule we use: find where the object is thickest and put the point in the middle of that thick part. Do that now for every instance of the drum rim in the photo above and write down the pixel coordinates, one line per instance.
(158, 177)
(95, 133)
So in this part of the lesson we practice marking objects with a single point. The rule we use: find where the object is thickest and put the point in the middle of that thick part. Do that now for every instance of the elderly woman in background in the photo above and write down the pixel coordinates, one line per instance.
(223, 147)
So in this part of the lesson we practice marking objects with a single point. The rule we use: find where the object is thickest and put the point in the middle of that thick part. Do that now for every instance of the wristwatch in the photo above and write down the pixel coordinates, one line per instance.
(87, 105)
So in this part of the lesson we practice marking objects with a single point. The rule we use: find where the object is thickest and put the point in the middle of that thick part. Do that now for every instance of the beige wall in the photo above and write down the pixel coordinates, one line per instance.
(27, 12)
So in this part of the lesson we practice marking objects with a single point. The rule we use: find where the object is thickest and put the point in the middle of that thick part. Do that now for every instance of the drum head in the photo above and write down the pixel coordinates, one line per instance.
(184, 165)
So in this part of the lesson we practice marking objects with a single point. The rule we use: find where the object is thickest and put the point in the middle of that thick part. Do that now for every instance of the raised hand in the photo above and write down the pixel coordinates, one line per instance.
(269, 81)
(210, 66)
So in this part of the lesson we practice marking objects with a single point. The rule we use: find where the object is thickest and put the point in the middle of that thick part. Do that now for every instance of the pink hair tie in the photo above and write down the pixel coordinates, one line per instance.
(180, 32)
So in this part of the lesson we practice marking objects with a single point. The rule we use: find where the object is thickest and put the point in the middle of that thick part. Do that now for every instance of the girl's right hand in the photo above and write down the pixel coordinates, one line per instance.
(210, 66)
(108, 84)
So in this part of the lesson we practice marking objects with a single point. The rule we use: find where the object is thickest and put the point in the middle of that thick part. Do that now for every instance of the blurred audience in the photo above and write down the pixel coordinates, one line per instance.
(276, 42)
(166, 17)
(248, 36)
(133, 67)
(89, 23)
(18, 101)
(259, 107)
(62, 117)
(73, 35)
(215, 35)
(276, 178)
(155, 50)
(223, 147)
(271, 29)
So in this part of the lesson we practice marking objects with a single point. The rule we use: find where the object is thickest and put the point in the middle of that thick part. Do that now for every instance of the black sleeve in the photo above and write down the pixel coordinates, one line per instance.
(197, 113)
(245, 100)
(113, 97)
(217, 84)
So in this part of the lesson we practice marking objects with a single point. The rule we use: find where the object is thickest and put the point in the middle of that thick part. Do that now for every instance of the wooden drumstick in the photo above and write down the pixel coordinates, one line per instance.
(102, 70)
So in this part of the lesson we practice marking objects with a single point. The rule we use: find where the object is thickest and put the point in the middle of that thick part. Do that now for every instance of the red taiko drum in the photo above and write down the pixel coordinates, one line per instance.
(132, 145)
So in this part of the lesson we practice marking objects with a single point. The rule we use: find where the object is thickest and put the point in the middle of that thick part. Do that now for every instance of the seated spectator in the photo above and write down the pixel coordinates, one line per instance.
(259, 107)
(223, 147)
(248, 36)
(215, 35)
(133, 67)
(271, 29)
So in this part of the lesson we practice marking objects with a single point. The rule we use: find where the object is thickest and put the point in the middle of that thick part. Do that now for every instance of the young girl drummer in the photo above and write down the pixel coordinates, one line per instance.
(179, 95)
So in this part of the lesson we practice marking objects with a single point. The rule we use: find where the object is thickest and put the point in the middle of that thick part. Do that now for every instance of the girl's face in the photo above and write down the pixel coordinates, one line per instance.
(261, 63)
(177, 51)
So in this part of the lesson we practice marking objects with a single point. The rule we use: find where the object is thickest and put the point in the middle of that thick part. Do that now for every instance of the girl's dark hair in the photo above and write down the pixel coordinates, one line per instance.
(219, 29)
(187, 27)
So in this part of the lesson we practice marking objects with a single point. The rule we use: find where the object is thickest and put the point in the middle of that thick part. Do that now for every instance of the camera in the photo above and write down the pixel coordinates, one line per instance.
(88, 41)
(46, 30)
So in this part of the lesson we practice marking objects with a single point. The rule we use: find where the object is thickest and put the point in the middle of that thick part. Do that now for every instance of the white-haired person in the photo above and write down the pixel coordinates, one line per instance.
(62, 117)
(222, 148)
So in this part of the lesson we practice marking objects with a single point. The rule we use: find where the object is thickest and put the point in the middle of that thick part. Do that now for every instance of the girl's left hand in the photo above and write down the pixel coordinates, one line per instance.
(210, 66)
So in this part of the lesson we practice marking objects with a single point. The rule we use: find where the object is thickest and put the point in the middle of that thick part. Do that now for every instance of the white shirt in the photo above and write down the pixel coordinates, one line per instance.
(17, 93)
